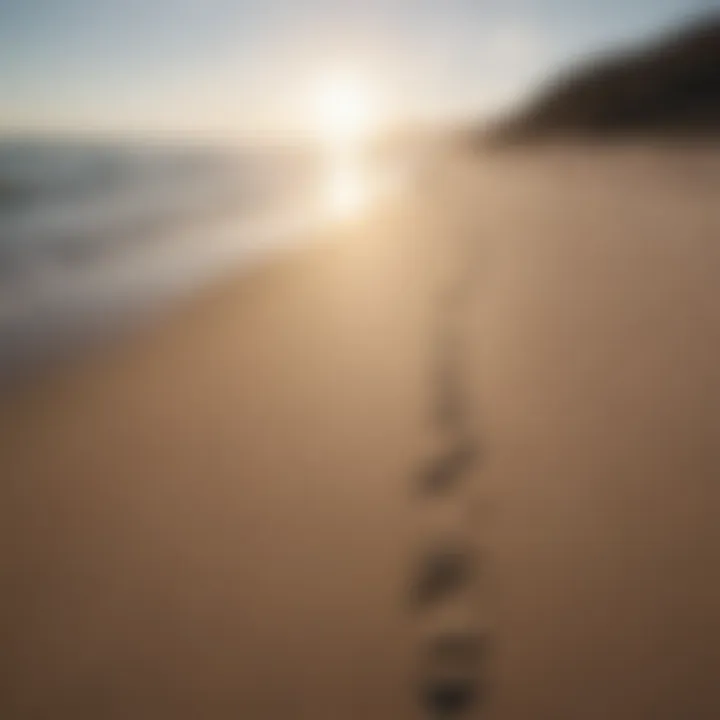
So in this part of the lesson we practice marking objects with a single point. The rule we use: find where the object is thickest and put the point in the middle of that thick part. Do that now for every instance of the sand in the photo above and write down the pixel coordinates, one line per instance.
(213, 518)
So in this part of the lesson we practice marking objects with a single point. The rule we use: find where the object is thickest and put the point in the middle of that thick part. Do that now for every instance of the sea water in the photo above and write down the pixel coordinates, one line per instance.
(93, 235)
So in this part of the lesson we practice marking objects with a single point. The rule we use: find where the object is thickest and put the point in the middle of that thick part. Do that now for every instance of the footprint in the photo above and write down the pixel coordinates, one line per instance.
(443, 571)
(441, 474)
(449, 697)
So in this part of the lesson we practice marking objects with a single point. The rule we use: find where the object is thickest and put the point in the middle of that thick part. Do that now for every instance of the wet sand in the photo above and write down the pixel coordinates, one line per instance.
(214, 519)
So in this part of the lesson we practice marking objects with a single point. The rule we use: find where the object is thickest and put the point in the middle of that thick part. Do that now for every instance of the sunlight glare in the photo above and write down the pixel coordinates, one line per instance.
(346, 113)
(346, 121)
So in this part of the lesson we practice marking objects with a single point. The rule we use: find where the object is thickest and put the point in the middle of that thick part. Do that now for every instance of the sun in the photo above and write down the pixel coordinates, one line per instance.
(346, 111)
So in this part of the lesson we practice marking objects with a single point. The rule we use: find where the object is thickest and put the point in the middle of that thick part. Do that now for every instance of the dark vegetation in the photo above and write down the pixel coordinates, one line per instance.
(671, 87)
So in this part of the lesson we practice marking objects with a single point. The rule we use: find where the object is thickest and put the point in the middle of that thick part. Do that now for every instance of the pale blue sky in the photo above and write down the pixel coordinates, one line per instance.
(244, 67)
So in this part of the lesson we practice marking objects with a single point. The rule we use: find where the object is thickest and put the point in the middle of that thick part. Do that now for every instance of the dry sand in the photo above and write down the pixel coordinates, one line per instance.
(212, 520)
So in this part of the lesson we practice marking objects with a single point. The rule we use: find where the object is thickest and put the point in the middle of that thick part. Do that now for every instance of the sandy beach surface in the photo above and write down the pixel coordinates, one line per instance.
(213, 519)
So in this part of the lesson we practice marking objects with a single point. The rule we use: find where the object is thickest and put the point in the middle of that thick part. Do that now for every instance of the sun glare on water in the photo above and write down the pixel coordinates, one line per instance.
(346, 120)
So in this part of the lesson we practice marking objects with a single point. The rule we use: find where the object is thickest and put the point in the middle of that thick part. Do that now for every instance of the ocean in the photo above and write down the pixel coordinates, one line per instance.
(94, 236)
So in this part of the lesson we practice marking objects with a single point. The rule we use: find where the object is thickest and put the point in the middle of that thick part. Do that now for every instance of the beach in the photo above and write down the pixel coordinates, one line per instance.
(213, 517)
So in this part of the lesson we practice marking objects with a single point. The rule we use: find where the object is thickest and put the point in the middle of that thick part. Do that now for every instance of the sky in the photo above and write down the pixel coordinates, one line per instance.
(246, 68)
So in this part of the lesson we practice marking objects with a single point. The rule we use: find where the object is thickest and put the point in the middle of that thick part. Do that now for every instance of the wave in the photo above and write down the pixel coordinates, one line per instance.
(91, 232)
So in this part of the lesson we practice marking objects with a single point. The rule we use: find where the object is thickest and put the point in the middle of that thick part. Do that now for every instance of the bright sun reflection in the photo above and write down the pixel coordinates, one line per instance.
(347, 192)
(346, 121)
(346, 111)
